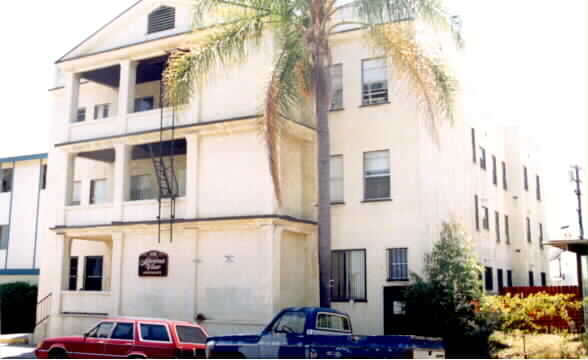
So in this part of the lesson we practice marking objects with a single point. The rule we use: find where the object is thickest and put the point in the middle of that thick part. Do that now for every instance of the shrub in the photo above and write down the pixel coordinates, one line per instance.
(445, 303)
(18, 303)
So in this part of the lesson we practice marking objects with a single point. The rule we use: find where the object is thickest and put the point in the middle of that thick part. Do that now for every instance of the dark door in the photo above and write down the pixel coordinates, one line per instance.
(395, 321)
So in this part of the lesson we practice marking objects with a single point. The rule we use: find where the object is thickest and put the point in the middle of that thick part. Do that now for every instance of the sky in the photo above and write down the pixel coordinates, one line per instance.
(526, 62)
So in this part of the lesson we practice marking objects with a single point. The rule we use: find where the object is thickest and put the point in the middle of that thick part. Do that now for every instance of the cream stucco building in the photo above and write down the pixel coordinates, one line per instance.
(237, 255)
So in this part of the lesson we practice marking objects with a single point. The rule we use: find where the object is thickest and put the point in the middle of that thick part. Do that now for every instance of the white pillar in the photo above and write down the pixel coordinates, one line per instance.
(126, 91)
(64, 181)
(117, 271)
(62, 256)
(72, 95)
(121, 179)
(192, 157)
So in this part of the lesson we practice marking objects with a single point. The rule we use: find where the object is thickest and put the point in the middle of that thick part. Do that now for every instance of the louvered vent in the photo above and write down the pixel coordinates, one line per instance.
(163, 18)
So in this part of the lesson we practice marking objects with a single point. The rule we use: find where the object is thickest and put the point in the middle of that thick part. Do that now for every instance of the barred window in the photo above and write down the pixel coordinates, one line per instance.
(398, 264)
(163, 18)
(377, 175)
(375, 81)
(349, 275)
(337, 179)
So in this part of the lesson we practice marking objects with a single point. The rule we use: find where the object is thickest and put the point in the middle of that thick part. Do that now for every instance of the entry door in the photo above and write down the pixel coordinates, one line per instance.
(395, 321)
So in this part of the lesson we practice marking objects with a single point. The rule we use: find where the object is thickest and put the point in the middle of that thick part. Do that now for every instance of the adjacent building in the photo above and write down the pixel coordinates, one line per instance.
(23, 216)
(233, 252)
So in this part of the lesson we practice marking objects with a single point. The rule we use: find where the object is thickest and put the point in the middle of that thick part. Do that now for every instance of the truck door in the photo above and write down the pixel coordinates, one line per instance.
(286, 338)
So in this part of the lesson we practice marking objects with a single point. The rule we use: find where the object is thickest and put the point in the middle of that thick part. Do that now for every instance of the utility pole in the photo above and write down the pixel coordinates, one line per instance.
(576, 178)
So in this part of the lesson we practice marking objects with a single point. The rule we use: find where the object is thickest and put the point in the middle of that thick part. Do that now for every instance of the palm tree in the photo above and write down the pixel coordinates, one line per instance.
(302, 30)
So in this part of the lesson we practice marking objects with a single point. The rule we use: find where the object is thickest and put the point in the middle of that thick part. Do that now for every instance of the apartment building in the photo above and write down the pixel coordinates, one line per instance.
(233, 253)
(23, 180)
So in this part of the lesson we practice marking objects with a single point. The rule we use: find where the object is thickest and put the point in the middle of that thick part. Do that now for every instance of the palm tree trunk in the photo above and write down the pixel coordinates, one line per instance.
(322, 103)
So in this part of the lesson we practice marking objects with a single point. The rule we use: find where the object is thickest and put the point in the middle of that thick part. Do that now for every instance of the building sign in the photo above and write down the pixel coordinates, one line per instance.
(153, 263)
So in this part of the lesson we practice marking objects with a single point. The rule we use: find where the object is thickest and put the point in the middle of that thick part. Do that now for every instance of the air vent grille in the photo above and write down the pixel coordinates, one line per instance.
(163, 18)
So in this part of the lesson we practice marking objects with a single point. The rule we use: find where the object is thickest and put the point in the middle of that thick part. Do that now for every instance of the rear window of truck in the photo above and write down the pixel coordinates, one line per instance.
(190, 335)
(333, 322)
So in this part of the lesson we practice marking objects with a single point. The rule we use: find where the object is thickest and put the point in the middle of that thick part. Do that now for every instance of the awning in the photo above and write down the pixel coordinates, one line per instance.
(576, 246)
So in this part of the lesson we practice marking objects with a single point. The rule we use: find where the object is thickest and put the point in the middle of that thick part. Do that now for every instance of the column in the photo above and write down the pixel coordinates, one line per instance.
(122, 159)
(192, 157)
(72, 95)
(61, 277)
(116, 271)
(274, 239)
(126, 91)
(62, 194)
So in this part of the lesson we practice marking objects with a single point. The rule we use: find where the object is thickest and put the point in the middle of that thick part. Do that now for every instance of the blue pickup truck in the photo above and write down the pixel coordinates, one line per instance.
(312, 332)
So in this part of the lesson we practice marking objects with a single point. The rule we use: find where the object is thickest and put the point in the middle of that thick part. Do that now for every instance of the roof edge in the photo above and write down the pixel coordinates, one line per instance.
(24, 158)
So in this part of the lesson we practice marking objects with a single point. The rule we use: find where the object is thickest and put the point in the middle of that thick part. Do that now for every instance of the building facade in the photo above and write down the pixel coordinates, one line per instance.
(23, 216)
(233, 252)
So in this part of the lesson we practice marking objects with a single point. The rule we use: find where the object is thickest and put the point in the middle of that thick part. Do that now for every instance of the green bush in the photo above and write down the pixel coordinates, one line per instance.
(446, 302)
(18, 304)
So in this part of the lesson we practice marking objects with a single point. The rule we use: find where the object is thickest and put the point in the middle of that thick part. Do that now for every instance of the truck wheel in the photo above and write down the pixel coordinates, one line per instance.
(57, 354)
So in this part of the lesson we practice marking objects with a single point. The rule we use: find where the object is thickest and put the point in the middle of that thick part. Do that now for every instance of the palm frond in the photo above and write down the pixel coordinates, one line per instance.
(432, 83)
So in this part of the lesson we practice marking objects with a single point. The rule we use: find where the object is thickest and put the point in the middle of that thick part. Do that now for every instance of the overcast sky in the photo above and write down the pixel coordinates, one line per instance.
(526, 60)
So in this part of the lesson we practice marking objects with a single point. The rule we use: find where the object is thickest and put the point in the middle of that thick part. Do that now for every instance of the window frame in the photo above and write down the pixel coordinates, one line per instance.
(474, 147)
(389, 252)
(139, 323)
(538, 187)
(8, 185)
(153, 188)
(482, 158)
(142, 98)
(86, 277)
(73, 275)
(500, 279)
(92, 197)
(132, 323)
(494, 171)
(342, 178)
(365, 176)
(525, 178)
(509, 281)
(387, 78)
(507, 229)
(504, 177)
(105, 111)
(543, 278)
(333, 299)
(477, 212)
(488, 278)
(316, 325)
(73, 192)
(43, 184)
(529, 235)
(342, 105)
(81, 110)
(193, 326)
(531, 278)
(497, 225)
(4, 244)
(541, 245)
(97, 326)
(485, 218)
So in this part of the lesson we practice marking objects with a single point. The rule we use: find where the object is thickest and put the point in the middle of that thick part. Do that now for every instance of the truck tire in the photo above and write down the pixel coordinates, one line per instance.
(57, 353)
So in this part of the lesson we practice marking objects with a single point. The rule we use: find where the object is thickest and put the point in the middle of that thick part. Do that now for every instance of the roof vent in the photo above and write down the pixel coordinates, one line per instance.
(160, 19)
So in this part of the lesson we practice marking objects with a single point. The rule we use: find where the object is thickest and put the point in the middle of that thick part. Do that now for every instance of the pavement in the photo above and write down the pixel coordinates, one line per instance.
(16, 351)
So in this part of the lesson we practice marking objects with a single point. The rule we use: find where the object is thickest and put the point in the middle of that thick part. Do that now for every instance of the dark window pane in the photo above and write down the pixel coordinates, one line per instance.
(6, 176)
(543, 279)
(377, 187)
(488, 280)
(153, 332)
(123, 331)
(191, 334)
(4, 235)
(93, 273)
(500, 280)
(144, 104)
(73, 273)
(531, 279)
(509, 278)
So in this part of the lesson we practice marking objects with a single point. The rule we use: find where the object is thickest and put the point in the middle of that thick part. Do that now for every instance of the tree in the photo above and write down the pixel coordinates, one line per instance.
(302, 30)
(446, 301)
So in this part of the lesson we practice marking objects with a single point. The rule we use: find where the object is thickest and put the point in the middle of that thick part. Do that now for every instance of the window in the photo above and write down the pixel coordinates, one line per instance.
(162, 18)
(190, 335)
(507, 229)
(98, 191)
(349, 278)
(538, 187)
(144, 104)
(477, 211)
(123, 331)
(509, 278)
(377, 175)
(500, 279)
(494, 171)
(290, 322)
(337, 83)
(531, 279)
(525, 178)
(154, 332)
(543, 279)
(504, 181)
(488, 279)
(333, 322)
(474, 155)
(81, 115)
(541, 236)
(142, 188)
(101, 111)
(529, 230)
(375, 81)
(398, 264)
(486, 218)
(4, 236)
(103, 330)
(76, 193)
(482, 158)
(497, 225)
(337, 179)
(73, 273)
(93, 273)
(6, 178)
(43, 177)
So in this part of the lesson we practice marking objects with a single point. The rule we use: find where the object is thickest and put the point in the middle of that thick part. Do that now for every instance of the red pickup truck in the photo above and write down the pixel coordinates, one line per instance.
(129, 338)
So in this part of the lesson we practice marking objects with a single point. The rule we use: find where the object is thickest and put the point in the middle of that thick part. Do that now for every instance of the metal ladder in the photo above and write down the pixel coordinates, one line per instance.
(165, 173)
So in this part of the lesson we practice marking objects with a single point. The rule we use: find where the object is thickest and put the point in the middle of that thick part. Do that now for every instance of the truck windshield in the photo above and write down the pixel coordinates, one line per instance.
(191, 335)
(291, 322)
(333, 322)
